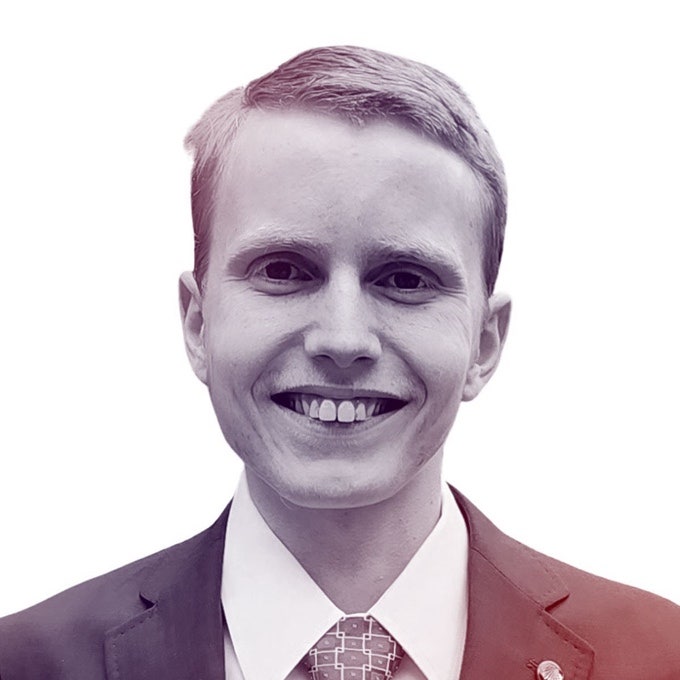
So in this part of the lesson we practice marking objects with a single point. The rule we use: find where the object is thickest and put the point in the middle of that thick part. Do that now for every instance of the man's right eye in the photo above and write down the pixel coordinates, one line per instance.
(280, 275)
(284, 271)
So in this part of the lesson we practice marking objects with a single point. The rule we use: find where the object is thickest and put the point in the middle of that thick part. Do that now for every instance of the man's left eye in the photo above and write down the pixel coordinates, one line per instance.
(409, 285)
(403, 281)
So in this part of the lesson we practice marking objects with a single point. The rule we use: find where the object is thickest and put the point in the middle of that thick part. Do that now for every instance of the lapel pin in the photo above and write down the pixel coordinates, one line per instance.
(549, 670)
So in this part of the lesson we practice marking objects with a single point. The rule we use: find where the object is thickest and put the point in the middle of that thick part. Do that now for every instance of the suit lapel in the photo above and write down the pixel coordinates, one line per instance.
(510, 627)
(181, 634)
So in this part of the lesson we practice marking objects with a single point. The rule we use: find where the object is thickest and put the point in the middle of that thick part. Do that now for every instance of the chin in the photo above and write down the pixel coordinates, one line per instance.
(339, 489)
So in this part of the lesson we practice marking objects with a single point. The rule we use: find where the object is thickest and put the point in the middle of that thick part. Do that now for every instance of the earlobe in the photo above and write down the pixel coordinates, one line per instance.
(491, 340)
(191, 310)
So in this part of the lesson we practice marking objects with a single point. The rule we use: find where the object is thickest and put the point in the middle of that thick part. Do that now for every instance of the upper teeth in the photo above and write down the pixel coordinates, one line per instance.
(330, 410)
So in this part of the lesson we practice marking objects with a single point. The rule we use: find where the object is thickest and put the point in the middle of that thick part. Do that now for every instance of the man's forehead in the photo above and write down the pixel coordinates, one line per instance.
(320, 187)
(293, 130)
(288, 162)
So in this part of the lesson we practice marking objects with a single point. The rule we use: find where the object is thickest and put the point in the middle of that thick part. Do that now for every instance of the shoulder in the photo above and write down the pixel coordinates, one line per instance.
(634, 633)
(628, 633)
(63, 636)
(51, 635)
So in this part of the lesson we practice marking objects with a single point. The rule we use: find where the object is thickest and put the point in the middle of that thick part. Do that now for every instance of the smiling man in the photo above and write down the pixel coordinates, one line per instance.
(349, 212)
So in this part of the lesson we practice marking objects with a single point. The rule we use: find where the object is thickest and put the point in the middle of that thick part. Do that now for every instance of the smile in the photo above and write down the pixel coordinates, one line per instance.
(330, 410)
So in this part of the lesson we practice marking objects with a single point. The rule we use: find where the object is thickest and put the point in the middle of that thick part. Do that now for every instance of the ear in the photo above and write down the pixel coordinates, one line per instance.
(191, 309)
(491, 340)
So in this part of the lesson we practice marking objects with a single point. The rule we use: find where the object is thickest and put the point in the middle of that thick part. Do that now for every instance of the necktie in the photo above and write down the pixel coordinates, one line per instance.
(355, 648)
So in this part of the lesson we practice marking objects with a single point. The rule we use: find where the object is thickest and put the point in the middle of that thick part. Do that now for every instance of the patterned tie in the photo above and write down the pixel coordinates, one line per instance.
(355, 648)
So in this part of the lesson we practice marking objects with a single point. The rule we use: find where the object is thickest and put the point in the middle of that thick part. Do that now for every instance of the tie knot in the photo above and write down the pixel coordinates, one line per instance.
(355, 648)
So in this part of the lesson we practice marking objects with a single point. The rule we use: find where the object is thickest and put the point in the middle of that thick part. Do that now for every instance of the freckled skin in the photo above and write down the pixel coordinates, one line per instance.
(302, 288)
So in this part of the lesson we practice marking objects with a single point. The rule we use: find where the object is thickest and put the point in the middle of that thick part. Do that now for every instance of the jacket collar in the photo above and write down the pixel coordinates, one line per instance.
(511, 593)
(510, 627)
(181, 634)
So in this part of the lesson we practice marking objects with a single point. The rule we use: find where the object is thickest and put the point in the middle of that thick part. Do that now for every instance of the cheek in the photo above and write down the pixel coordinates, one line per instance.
(440, 354)
(241, 338)
(439, 346)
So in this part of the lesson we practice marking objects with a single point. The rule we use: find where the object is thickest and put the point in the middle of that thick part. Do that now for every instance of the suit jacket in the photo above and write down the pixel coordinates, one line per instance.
(160, 618)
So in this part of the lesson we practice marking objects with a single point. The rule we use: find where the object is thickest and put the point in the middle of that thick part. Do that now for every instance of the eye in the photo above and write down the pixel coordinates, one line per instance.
(284, 271)
(280, 274)
(407, 284)
(403, 280)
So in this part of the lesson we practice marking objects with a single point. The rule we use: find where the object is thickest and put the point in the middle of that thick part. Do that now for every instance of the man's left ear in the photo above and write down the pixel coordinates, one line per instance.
(491, 340)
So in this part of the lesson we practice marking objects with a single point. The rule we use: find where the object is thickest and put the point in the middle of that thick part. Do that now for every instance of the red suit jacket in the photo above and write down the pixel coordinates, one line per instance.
(160, 619)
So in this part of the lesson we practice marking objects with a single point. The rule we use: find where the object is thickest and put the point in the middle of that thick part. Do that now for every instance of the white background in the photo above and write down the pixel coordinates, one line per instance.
(108, 446)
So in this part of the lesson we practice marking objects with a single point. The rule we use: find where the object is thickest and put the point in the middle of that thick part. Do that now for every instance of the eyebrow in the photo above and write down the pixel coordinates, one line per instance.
(272, 239)
(416, 250)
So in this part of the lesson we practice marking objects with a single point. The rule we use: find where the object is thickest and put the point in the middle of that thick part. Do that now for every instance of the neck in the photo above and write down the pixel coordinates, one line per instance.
(383, 536)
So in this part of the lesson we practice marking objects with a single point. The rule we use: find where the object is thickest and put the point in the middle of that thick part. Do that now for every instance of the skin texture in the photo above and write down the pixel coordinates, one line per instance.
(345, 261)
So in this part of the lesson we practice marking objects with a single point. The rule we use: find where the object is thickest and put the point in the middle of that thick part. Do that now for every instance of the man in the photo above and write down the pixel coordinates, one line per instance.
(349, 212)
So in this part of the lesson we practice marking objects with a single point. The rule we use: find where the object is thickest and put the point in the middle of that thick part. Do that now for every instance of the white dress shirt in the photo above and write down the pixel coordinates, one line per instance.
(275, 612)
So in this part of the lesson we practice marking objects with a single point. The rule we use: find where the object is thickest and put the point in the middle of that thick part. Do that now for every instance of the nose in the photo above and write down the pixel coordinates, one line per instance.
(343, 328)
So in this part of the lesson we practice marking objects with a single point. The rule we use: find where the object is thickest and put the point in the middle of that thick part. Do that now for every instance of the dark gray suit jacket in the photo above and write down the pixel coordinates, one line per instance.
(160, 619)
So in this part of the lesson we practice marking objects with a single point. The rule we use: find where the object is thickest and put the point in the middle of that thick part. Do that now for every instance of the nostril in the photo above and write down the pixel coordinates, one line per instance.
(342, 348)
(344, 360)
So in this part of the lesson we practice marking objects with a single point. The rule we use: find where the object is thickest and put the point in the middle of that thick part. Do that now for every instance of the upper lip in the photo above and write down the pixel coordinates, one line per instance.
(335, 392)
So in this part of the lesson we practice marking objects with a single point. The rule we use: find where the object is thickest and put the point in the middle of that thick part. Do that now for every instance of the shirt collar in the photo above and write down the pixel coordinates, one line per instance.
(425, 608)
(276, 612)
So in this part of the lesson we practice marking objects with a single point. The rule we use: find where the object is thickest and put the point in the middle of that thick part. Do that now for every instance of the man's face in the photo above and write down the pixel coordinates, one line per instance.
(343, 305)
